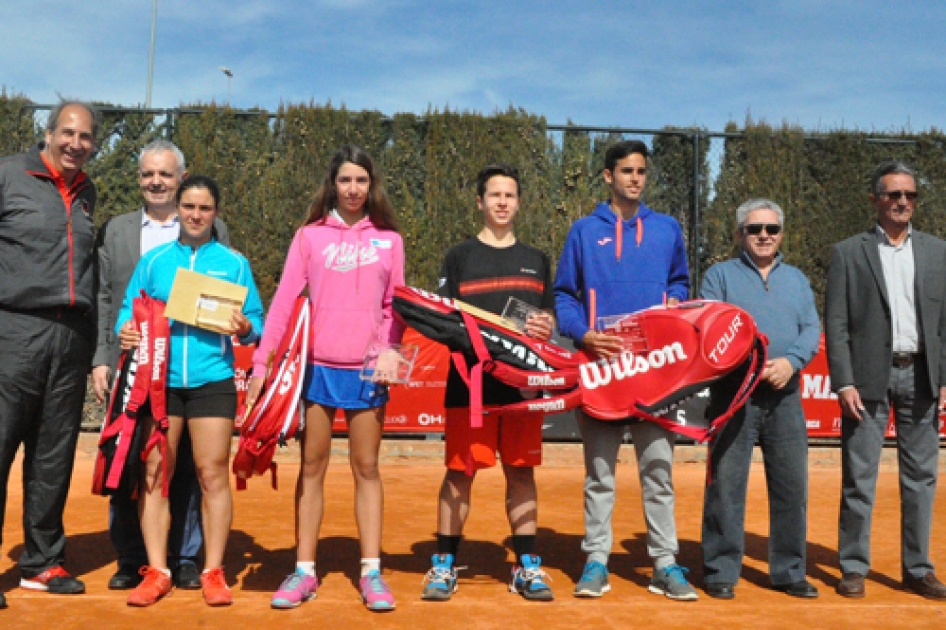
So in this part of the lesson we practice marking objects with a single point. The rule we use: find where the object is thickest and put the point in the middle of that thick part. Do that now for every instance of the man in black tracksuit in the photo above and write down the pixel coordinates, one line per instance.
(47, 336)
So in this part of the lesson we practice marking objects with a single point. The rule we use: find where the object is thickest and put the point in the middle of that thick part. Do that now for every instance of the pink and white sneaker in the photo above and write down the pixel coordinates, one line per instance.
(375, 592)
(298, 587)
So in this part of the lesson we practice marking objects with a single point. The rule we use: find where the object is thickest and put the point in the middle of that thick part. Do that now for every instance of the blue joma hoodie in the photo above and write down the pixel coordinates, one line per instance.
(610, 267)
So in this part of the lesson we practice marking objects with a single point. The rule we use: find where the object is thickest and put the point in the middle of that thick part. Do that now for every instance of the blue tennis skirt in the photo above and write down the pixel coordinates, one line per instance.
(341, 388)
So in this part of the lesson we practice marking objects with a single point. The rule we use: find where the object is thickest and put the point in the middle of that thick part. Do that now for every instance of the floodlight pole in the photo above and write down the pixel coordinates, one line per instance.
(154, 25)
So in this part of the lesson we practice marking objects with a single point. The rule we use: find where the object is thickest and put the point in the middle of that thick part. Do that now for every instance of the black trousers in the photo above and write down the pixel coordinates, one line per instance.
(44, 363)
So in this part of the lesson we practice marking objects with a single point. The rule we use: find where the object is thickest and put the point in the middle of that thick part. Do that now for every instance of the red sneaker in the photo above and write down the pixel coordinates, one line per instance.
(216, 591)
(55, 580)
(155, 585)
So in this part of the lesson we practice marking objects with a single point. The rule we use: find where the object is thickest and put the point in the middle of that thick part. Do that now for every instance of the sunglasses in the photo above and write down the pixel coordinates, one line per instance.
(754, 229)
(896, 195)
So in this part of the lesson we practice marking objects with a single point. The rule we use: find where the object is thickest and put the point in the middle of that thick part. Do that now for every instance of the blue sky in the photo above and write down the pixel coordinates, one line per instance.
(852, 64)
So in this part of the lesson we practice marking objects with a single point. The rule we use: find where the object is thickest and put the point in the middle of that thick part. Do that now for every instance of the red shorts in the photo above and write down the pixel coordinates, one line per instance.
(516, 436)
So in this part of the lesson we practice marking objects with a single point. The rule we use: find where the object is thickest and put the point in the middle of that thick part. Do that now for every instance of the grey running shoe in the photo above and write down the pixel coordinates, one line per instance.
(593, 582)
(672, 582)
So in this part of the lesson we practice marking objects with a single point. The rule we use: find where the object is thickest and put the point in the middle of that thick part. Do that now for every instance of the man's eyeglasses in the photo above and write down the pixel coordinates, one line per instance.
(754, 229)
(896, 195)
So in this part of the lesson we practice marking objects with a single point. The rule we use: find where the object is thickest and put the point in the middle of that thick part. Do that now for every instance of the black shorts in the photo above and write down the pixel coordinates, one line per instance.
(213, 400)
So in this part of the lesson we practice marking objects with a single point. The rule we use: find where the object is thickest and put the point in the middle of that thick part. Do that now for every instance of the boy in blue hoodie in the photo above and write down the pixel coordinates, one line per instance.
(622, 258)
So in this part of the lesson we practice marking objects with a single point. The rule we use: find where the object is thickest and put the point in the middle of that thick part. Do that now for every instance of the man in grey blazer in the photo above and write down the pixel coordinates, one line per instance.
(121, 241)
(885, 327)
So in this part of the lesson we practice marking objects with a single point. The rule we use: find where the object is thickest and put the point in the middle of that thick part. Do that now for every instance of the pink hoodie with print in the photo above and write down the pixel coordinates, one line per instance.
(351, 273)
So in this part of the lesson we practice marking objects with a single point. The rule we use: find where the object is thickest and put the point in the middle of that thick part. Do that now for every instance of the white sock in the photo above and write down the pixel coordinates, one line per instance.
(370, 564)
(166, 572)
(308, 568)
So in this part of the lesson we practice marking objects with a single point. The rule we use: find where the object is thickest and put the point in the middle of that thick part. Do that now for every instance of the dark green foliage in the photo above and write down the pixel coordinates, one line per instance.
(269, 165)
(17, 131)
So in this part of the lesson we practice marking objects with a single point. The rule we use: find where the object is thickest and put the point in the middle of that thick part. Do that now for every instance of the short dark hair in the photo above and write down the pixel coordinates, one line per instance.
(890, 167)
(199, 181)
(53, 121)
(621, 150)
(492, 170)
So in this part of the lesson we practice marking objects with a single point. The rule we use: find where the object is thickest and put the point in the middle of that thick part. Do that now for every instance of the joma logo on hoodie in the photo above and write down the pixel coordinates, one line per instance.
(348, 256)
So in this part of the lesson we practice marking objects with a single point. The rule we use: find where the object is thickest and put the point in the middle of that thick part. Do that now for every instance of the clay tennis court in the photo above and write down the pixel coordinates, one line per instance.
(261, 552)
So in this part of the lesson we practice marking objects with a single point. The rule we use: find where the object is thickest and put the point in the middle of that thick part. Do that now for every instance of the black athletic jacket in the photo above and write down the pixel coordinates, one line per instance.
(46, 247)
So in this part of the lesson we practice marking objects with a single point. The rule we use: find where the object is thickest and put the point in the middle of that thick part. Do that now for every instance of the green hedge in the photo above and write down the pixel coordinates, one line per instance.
(270, 163)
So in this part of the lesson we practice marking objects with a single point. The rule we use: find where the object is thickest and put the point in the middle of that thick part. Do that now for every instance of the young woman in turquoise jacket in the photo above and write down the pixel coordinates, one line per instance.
(201, 394)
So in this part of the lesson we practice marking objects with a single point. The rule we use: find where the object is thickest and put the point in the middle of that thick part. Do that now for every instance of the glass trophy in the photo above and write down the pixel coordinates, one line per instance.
(389, 362)
(627, 327)
(517, 313)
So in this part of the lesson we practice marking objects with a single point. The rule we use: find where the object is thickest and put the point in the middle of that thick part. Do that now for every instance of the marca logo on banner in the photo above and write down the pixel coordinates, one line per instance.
(724, 342)
(627, 364)
(548, 406)
(817, 386)
(546, 381)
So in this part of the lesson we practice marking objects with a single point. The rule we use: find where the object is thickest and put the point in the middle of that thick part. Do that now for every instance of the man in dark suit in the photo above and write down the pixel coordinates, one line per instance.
(121, 242)
(885, 327)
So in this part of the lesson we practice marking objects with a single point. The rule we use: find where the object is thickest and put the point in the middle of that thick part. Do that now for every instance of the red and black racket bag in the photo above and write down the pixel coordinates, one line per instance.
(670, 354)
(138, 392)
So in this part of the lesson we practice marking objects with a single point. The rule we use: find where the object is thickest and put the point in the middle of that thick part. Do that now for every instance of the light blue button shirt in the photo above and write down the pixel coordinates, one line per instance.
(899, 276)
(154, 233)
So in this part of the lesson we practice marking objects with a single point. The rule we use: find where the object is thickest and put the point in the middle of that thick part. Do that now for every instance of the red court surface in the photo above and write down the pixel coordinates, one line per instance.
(261, 553)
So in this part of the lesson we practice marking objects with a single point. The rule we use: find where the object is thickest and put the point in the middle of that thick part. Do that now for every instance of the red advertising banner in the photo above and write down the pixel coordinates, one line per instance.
(822, 413)
(418, 406)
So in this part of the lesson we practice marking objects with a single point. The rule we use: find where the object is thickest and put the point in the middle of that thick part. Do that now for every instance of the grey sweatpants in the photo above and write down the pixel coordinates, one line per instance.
(654, 448)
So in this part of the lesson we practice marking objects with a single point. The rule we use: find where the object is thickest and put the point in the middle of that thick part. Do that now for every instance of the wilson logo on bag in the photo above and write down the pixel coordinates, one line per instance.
(671, 353)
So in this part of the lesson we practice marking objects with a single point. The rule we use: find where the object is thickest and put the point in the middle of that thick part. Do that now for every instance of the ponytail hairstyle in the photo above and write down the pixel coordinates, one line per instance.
(378, 208)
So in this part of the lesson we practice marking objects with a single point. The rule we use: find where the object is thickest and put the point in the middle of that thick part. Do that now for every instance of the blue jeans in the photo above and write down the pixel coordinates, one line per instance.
(775, 419)
(185, 536)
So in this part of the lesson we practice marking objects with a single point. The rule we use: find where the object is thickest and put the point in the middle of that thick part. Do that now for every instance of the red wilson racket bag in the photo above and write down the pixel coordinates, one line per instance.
(670, 354)
(277, 415)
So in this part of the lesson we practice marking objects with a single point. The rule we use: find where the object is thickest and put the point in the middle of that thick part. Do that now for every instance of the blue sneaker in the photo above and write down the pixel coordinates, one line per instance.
(672, 582)
(529, 580)
(593, 581)
(440, 583)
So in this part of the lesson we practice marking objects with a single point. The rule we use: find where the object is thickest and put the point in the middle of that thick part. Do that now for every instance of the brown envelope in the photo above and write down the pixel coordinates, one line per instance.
(200, 300)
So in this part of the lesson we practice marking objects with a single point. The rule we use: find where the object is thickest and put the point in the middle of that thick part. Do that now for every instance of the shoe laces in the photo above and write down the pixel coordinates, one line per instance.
(292, 581)
(216, 577)
(533, 574)
(441, 573)
(375, 583)
(677, 573)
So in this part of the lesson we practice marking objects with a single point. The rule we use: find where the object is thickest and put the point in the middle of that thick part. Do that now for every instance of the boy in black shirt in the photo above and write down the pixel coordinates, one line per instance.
(486, 271)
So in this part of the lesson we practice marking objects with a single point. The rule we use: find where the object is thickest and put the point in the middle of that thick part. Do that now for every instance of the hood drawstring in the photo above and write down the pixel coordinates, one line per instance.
(619, 234)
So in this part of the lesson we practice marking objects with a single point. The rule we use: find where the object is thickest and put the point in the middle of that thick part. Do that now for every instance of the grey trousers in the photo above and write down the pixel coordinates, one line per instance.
(654, 448)
(917, 451)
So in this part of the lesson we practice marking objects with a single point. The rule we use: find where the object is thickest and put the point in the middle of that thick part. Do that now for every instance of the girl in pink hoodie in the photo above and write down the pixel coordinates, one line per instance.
(350, 258)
